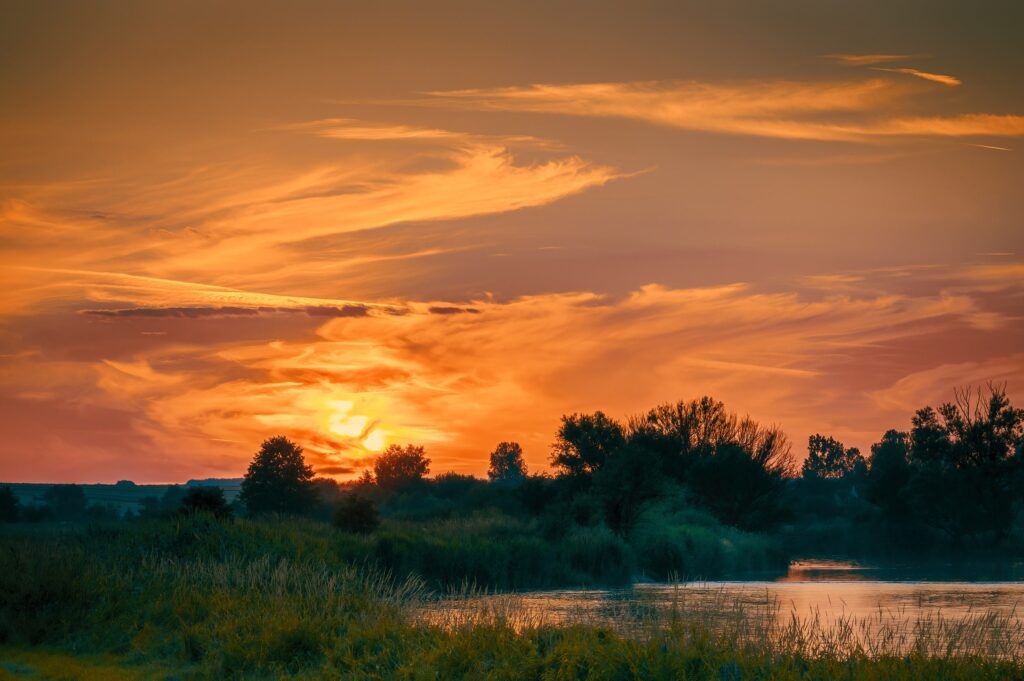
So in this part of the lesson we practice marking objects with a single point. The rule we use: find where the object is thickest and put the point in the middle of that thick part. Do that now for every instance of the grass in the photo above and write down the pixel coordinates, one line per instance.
(19, 664)
(276, 599)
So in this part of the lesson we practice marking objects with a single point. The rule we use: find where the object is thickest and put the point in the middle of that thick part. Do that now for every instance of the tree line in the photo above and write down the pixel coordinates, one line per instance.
(952, 479)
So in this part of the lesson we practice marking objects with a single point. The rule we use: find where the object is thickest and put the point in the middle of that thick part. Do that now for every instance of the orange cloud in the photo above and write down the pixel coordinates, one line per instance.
(868, 59)
(964, 125)
(459, 382)
(242, 228)
(770, 109)
(934, 77)
(849, 111)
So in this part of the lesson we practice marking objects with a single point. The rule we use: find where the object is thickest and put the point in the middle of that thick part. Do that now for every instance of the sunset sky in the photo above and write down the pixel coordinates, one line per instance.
(367, 223)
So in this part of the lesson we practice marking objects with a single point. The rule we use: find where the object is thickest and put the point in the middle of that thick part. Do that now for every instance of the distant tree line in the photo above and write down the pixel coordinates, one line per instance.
(954, 479)
(69, 504)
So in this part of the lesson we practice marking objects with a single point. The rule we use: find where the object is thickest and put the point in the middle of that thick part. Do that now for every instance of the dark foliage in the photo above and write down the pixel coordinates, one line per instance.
(67, 502)
(400, 467)
(357, 514)
(278, 479)
(9, 505)
(506, 464)
(584, 442)
(829, 458)
(205, 499)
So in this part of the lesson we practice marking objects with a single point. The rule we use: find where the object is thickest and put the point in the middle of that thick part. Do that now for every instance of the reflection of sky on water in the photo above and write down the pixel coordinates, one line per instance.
(871, 599)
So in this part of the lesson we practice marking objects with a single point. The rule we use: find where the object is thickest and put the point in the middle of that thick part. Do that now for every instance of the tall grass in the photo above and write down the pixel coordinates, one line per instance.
(269, 600)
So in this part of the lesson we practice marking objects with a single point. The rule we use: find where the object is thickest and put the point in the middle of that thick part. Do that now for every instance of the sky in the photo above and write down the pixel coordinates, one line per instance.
(369, 223)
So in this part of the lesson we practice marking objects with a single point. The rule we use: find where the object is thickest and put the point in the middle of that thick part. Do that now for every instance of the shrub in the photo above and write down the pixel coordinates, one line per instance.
(205, 500)
(357, 514)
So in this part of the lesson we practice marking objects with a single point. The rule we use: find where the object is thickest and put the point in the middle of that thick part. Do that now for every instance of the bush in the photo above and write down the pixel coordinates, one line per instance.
(357, 514)
(205, 499)
(675, 541)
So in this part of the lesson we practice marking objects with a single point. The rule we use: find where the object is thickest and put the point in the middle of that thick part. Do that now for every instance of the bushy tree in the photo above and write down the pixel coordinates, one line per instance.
(398, 467)
(507, 463)
(829, 458)
(9, 505)
(966, 465)
(737, 488)
(278, 479)
(205, 499)
(732, 465)
(584, 442)
(889, 473)
(679, 434)
(625, 482)
(357, 514)
(66, 501)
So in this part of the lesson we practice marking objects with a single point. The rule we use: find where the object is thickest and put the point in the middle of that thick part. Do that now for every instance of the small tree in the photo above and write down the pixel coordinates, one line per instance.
(278, 479)
(584, 443)
(66, 501)
(399, 467)
(828, 458)
(9, 505)
(205, 499)
(507, 463)
(356, 514)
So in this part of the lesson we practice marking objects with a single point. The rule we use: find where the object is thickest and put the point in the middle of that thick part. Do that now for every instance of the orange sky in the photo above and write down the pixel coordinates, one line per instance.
(374, 223)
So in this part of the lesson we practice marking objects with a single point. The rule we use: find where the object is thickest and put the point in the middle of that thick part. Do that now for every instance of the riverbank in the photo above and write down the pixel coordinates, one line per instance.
(251, 600)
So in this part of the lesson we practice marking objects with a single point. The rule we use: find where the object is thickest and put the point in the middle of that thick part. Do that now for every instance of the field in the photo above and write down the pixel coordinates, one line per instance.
(123, 497)
(191, 598)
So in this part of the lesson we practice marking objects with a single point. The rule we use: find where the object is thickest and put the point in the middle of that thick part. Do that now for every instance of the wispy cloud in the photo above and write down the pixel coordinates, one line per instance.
(457, 377)
(964, 125)
(228, 225)
(991, 147)
(782, 109)
(869, 59)
(934, 77)
(850, 111)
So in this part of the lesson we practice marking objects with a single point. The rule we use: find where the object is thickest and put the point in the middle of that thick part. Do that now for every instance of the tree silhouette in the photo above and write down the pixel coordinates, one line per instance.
(829, 458)
(889, 473)
(680, 433)
(399, 467)
(584, 442)
(507, 463)
(734, 485)
(278, 479)
(9, 505)
(967, 464)
(205, 499)
(624, 483)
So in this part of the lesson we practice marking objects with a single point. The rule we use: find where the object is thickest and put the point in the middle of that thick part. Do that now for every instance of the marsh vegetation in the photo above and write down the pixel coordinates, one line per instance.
(394, 575)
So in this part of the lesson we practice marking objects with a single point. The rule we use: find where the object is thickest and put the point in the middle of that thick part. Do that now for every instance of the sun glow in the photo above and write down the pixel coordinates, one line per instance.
(339, 421)
(374, 441)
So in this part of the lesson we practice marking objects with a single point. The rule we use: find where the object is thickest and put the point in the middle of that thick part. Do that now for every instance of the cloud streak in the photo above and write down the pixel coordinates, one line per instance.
(845, 111)
(868, 59)
(235, 229)
(951, 81)
(457, 377)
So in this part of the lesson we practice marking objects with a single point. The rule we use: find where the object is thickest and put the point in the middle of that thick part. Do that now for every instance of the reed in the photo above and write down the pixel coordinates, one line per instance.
(251, 600)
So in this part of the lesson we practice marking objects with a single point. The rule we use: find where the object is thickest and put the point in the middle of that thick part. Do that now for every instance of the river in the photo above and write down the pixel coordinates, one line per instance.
(871, 603)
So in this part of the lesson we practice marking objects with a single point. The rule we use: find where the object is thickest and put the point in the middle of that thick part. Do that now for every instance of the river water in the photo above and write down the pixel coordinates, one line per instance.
(867, 601)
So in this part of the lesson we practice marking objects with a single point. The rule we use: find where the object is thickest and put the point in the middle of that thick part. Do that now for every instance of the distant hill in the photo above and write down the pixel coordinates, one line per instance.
(124, 495)
(223, 483)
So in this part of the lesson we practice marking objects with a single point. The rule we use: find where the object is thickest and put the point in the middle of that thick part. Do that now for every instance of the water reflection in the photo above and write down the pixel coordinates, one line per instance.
(872, 600)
